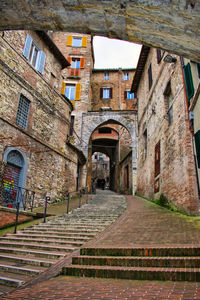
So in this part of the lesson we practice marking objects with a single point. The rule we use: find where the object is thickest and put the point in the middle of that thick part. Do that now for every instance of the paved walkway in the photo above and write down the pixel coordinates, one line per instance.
(143, 224)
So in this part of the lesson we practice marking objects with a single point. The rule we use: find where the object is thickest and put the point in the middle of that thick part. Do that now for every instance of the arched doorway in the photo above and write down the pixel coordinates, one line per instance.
(15, 175)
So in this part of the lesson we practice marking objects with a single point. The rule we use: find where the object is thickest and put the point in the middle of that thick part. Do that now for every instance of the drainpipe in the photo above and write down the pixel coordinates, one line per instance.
(119, 84)
(191, 129)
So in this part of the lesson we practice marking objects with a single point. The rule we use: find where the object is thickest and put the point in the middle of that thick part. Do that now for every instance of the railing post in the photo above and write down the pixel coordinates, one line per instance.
(33, 196)
(68, 198)
(87, 195)
(45, 208)
(80, 195)
(17, 214)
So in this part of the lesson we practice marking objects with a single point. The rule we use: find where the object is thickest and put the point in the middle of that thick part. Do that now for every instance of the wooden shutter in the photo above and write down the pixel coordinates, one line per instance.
(40, 62)
(78, 91)
(27, 46)
(157, 159)
(84, 41)
(110, 93)
(197, 144)
(82, 62)
(188, 81)
(63, 88)
(69, 58)
(69, 40)
(101, 93)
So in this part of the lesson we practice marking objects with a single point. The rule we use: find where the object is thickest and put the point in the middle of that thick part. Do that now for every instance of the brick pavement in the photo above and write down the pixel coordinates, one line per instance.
(143, 224)
(72, 288)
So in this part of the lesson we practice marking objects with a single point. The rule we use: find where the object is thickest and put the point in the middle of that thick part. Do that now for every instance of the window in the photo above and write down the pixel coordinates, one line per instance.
(106, 93)
(71, 90)
(126, 76)
(128, 94)
(145, 143)
(105, 166)
(71, 129)
(150, 76)
(169, 101)
(34, 55)
(188, 81)
(22, 112)
(157, 159)
(160, 54)
(106, 76)
(77, 41)
(75, 63)
(104, 130)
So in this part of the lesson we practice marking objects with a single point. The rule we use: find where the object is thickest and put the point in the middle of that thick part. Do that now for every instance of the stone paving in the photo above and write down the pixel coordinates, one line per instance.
(143, 224)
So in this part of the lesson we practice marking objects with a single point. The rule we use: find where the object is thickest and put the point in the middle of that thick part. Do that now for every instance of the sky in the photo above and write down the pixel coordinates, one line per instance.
(112, 53)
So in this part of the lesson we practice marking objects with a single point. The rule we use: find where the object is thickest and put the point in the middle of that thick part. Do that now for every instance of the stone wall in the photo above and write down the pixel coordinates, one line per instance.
(176, 178)
(126, 175)
(51, 163)
(170, 25)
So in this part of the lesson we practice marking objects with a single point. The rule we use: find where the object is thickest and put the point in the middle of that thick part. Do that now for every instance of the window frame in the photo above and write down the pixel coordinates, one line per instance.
(106, 76)
(71, 87)
(106, 90)
(23, 111)
(77, 38)
(128, 95)
(125, 75)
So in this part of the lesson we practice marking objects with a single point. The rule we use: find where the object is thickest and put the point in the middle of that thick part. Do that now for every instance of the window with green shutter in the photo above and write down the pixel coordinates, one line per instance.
(188, 81)
(197, 143)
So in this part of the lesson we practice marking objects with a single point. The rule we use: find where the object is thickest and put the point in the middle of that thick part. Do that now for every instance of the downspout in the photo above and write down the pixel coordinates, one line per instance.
(191, 129)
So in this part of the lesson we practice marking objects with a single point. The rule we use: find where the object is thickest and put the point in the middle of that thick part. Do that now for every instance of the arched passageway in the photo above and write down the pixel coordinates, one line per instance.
(170, 25)
(112, 139)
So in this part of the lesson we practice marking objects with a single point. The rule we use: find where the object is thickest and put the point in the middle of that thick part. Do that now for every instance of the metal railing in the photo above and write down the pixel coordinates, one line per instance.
(81, 192)
(25, 198)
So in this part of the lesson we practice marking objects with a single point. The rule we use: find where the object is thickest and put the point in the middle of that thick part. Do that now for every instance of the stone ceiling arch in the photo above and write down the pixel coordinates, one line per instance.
(170, 25)
(91, 121)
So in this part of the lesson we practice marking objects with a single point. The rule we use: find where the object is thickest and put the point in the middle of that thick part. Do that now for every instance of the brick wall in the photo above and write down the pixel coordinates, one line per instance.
(176, 178)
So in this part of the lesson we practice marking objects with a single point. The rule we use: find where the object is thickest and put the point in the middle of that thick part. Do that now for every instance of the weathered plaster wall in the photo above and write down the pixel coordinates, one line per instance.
(171, 25)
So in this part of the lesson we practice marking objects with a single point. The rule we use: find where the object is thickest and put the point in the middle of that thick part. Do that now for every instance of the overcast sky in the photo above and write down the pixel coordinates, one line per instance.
(111, 53)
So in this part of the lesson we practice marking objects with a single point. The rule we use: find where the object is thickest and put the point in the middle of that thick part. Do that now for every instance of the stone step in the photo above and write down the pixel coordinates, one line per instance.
(40, 229)
(11, 282)
(60, 235)
(37, 253)
(165, 262)
(38, 246)
(68, 241)
(144, 252)
(19, 270)
(77, 224)
(136, 273)
(31, 260)
(70, 226)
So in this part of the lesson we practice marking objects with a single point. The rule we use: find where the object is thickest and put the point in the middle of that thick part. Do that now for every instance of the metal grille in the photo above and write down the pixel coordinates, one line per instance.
(22, 113)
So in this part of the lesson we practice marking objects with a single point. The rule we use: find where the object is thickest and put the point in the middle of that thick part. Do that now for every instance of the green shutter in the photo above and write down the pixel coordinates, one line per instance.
(188, 81)
(197, 143)
(198, 69)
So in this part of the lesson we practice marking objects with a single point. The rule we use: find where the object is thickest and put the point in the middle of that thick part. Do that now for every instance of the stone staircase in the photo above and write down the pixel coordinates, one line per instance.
(155, 263)
(32, 250)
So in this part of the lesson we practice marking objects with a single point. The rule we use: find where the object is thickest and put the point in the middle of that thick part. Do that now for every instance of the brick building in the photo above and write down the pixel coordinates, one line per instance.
(34, 116)
(165, 153)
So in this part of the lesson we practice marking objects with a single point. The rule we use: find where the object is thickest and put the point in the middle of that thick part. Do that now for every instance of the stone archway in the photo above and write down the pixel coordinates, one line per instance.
(170, 25)
(92, 120)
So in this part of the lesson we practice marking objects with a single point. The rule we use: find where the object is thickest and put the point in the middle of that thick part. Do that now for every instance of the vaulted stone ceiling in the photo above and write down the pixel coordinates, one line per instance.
(173, 25)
